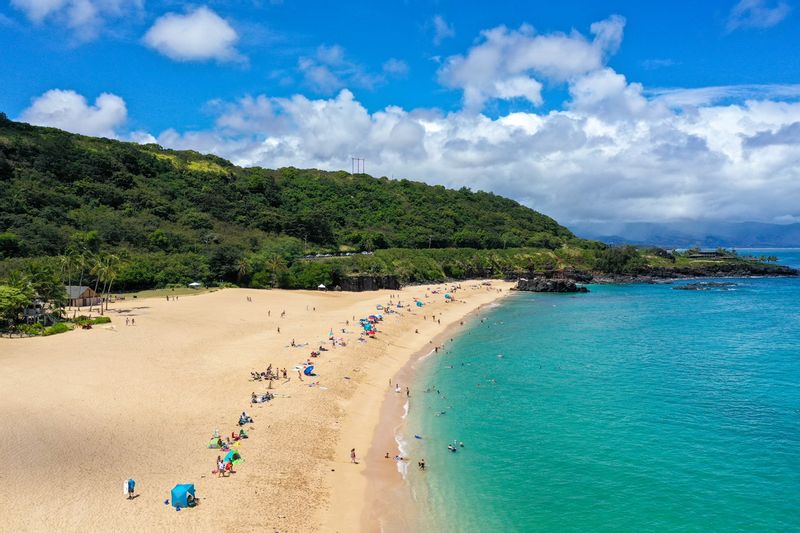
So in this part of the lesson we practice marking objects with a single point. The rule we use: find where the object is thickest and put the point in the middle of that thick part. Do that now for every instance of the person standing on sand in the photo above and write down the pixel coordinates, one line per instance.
(408, 392)
(130, 487)
(353, 456)
(220, 467)
(127, 321)
(133, 321)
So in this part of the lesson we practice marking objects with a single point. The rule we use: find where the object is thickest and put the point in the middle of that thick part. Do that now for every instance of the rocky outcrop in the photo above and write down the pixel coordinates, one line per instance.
(738, 269)
(543, 284)
(368, 283)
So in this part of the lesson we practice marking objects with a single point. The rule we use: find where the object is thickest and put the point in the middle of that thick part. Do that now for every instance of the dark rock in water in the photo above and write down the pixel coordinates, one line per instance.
(705, 286)
(541, 284)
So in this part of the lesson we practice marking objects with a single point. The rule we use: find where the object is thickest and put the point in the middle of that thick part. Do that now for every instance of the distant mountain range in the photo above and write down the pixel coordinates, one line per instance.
(685, 234)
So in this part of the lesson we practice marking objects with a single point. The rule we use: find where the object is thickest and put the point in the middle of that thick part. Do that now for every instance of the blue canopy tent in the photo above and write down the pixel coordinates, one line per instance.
(180, 495)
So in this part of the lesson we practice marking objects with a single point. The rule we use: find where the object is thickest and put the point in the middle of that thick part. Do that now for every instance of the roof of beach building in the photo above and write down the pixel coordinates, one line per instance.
(76, 291)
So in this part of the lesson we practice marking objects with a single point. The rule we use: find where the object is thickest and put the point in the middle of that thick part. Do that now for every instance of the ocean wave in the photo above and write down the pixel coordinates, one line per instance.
(402, 449)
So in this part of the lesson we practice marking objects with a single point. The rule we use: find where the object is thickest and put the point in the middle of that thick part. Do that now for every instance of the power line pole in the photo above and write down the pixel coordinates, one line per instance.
(357, 165)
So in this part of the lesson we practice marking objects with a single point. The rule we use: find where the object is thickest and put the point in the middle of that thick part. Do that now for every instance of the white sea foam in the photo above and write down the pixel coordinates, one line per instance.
(405, 410)
(402, 449)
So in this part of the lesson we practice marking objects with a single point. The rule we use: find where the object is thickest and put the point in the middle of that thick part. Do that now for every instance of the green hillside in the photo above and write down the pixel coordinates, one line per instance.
(151, 199)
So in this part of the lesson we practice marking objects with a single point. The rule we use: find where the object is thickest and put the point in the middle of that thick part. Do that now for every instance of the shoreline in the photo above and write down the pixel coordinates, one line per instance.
(390, 502)
(351, 487)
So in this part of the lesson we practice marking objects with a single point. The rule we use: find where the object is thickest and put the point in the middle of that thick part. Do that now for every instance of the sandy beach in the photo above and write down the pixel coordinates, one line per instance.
(83, 411)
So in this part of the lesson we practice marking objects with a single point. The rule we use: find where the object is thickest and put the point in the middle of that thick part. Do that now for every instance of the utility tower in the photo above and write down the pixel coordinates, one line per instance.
(358, 165)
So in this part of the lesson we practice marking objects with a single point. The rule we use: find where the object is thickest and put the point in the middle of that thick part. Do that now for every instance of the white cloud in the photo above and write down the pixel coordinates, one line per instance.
(197, 35)
(70, 111)
(395, 67)
(442, 30)
(757, 14)
(702, 96)
(329, 70)
(509, 64)
(84, 17)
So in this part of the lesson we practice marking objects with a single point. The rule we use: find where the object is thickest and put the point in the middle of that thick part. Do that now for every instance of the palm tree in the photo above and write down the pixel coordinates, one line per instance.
(242, 269)
(276, 265)
(110, 271)
(80, 262)
(97, 270)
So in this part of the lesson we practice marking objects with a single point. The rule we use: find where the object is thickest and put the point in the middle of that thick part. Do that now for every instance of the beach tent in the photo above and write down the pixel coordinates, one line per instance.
(448, 297)
(195, 284)
(321, 287)
(233, 457)
(308, 370)
(180, 495)
(419, 303)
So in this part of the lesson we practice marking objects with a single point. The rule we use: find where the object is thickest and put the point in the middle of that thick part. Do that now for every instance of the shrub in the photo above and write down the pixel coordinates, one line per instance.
(31, 329)
(84, 320)
(59, 327)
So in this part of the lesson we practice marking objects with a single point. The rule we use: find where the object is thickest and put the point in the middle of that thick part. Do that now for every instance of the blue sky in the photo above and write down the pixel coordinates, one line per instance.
(536, 100)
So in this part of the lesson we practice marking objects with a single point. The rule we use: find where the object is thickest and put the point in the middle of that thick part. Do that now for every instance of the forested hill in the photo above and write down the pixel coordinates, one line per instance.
(147, 198)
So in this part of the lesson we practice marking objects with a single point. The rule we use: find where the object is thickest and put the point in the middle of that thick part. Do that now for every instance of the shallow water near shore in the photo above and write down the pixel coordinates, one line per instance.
(633, 407)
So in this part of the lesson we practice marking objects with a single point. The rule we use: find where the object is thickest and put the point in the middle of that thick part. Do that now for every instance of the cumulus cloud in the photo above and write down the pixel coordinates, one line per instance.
(197, 35)
(509, 64)
(757, 14)
(84, 17)
(70, 111)
(442, 30)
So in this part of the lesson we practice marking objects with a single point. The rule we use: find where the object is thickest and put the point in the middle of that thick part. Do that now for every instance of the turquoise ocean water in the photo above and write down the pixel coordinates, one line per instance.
(631, 408)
